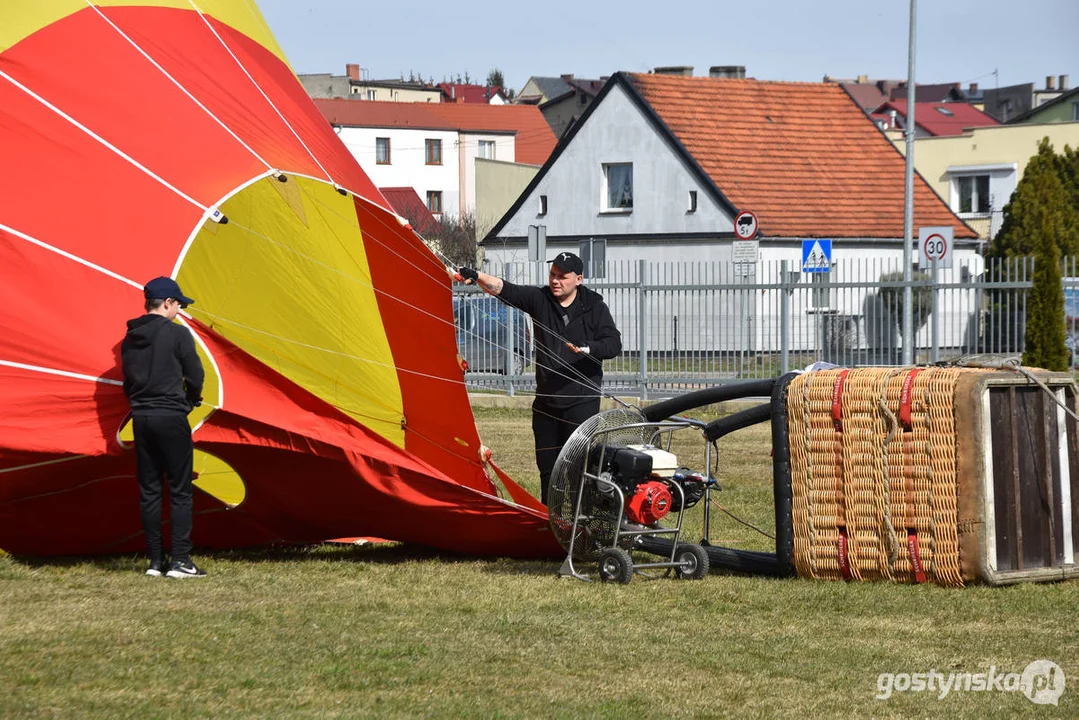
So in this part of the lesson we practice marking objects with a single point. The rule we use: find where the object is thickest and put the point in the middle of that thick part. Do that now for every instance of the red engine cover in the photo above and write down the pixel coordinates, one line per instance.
(651, 502)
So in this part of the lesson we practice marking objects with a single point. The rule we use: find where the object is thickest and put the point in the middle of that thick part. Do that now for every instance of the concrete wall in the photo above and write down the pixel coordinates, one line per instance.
(469, 150)
(396, 94)
(498, 185)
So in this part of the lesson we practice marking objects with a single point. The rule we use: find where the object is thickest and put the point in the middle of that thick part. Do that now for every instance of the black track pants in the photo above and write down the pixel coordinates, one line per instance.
(163, 449)
(551, 427)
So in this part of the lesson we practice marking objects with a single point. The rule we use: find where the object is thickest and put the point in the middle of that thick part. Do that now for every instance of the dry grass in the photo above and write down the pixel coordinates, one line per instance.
(389, 631)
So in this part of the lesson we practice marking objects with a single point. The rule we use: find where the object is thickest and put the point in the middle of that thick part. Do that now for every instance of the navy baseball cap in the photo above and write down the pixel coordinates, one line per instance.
(161, 288)
(568, 262)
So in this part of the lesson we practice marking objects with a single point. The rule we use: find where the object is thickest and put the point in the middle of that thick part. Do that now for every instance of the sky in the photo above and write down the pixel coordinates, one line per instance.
(991, 42)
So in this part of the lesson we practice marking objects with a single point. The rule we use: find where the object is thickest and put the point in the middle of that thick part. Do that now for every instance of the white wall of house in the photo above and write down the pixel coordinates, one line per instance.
(408, 166)
(576, 192)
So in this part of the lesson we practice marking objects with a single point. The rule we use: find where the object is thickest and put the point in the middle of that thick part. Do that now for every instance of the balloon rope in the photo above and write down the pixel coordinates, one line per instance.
(105, 143)
(577, 376)
(179, 85)
(261, 91)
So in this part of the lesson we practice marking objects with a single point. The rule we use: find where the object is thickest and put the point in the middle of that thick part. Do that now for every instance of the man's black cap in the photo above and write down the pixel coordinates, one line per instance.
(568, 262)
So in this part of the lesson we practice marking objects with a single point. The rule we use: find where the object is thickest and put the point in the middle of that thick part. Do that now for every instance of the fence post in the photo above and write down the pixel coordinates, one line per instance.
(934, 329)
(784, 319)
(642, 327)
(507, 358)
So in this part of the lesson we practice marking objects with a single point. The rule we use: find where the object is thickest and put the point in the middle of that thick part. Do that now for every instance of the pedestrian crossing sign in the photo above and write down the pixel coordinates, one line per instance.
(816, 255)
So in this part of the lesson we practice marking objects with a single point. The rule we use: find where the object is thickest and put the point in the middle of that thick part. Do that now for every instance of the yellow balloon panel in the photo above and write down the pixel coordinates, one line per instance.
(23, 18)
(287, 280)
(216, 477)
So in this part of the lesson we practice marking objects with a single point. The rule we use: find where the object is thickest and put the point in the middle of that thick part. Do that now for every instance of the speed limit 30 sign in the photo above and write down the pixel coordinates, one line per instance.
(935, 243)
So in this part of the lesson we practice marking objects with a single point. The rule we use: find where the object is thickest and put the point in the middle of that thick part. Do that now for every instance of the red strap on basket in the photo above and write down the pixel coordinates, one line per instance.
(844, 559)
(906, 397)
(837, 400)
(915, 556)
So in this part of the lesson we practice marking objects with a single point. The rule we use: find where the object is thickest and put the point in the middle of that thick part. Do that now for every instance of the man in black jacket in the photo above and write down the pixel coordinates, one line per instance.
(163, 379)
(574, 334)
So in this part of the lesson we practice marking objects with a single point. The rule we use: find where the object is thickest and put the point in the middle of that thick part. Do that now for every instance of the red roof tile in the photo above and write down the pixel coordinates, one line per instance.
(460, 92)
(802, 156)
(407, 203)
(940, 118)
(534, 139)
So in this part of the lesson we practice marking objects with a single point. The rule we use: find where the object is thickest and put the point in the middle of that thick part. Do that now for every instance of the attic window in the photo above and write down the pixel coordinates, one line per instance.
(944, 111)
(543, 205)
(618, 178)
(692, 201)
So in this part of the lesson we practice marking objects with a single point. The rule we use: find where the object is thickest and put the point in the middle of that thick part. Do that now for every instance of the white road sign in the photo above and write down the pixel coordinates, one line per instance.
(816, 256)
(746, 225)
(745, 251)
(935, 243)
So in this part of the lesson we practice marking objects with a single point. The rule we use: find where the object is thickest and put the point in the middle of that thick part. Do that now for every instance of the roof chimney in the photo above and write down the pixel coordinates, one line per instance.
(973, 89)
(1063, 82)
(1050, 82)
(567, 76)
(727, 71)
(862, 79)
(682, 70)
(353, 71)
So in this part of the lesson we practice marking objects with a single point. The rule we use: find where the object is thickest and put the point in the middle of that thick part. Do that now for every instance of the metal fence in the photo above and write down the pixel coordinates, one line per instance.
(688, 325)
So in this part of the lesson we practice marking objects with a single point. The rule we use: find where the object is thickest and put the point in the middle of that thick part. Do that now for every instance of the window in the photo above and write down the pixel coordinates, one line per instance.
(543, 205)
(434, 151)
(371, 94)
(1075, 111)
(692, 201)
(594, 256)
(382, 151)
(434, 201)
(487, 149)
(973, 193)
(619, 180)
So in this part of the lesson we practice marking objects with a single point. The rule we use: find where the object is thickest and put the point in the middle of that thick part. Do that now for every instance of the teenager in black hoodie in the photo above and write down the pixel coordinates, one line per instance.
(163, 379)
(574, 334)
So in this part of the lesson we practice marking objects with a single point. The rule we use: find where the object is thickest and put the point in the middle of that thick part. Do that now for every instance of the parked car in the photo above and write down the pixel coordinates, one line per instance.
(1071, 318)
(483, 334)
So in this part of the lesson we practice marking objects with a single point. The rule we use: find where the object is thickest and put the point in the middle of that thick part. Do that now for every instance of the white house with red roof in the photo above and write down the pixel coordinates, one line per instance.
(433, 147)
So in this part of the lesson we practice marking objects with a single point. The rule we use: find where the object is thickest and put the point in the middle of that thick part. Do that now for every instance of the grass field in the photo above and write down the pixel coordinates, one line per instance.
(390, 631)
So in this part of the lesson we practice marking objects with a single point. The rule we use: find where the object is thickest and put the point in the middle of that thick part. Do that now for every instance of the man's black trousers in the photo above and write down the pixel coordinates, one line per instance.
(551, 428)
(163, 449)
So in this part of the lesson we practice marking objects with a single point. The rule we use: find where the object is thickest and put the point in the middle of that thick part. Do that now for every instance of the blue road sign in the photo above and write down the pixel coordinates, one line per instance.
(816, 256)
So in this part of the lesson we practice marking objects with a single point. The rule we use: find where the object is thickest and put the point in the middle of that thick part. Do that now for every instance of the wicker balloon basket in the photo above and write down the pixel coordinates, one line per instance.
(942, 475)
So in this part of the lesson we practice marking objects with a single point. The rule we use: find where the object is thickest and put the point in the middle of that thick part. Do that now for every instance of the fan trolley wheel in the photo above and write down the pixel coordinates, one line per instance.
(616, 565)
(693, 562)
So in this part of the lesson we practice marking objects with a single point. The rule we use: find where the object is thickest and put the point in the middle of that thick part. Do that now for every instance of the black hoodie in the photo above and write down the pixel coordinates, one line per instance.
(162, 371)
(587, 321)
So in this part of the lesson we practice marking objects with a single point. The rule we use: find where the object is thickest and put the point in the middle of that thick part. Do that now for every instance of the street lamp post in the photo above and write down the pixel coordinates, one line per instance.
(908, 209)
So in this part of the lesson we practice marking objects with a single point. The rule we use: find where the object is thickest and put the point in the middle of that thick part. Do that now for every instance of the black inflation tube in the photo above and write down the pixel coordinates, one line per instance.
(726, 425)
(731, 391)
(781, 478)
(779, 564)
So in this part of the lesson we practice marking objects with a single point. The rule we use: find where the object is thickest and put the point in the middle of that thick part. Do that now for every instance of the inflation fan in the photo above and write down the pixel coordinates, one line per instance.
(616, 485)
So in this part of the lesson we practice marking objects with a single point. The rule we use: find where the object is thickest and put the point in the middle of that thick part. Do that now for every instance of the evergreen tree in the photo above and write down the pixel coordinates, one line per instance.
(922, 298)
(495, 79)
(1046, 198)
(1044, 338)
